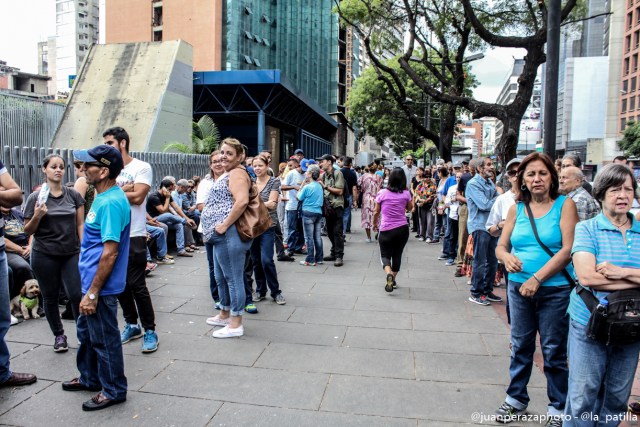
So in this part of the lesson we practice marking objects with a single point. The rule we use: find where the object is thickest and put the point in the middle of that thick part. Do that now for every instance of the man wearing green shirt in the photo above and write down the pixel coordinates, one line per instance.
(333, 184)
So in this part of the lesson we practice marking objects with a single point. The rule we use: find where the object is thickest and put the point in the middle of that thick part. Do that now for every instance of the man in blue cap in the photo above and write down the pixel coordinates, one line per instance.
(103, 270)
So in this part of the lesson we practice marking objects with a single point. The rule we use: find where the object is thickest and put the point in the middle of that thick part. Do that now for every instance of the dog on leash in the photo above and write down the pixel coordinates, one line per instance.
(26, 304)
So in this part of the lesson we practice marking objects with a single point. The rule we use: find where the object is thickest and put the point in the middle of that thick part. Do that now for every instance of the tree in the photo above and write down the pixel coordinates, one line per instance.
(448, 29)
(205, 137)
(372, 107)
(630, 142)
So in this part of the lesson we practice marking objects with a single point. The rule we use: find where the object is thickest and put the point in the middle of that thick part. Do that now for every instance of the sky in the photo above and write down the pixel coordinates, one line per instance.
(24, 23)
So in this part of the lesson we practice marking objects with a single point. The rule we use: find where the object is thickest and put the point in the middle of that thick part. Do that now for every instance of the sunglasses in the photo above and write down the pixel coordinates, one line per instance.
(190, 187)
(512, 172)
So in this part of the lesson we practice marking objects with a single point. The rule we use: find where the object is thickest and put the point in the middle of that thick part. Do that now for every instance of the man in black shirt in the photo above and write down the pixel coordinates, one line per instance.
(350, 191)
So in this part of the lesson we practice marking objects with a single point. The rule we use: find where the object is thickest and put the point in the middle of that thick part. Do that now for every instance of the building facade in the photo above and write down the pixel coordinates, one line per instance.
(77, 23)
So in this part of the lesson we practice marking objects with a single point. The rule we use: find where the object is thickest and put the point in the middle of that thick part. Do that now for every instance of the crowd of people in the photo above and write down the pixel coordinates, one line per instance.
(537, 226)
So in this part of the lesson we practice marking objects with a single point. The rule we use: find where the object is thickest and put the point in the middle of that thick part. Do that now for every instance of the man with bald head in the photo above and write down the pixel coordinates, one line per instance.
(571, 179)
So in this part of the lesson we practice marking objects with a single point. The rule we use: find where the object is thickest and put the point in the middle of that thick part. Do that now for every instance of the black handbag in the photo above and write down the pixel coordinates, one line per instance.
(615, 320)
(565, 273)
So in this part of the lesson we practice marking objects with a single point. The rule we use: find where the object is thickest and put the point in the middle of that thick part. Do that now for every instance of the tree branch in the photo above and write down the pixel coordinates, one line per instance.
(586, 19)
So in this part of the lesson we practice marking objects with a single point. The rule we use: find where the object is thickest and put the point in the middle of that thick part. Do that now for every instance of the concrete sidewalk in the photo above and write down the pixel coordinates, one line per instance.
(340, 352)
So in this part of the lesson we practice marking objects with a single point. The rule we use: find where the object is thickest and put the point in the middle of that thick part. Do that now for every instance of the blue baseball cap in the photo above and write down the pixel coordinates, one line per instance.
(104, 154)
(305, 164)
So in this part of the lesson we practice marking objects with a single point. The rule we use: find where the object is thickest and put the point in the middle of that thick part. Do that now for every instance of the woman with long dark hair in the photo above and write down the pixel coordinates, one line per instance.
(392, 203)
(370, 184)
(56, 221)
(539, 284)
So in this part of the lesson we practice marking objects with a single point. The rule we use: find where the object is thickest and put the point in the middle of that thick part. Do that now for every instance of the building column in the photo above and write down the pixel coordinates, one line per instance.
(261, 130)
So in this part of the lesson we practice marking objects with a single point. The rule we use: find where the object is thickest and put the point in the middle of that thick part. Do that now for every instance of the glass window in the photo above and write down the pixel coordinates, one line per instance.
(247, 59)
(624, 106)
(257, 62)
(632, 103)
(633, 84)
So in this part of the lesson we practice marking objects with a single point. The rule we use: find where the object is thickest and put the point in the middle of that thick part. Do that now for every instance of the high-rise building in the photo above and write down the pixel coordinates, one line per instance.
(47, 62)
(76, 30)
(629, 102)
(300, 38)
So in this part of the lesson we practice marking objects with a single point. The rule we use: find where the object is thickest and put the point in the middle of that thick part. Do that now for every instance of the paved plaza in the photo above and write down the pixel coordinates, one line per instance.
(340, 352)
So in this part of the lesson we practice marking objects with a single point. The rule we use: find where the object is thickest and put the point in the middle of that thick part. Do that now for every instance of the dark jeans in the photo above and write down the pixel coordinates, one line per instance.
(5, 318)
(392, 243)
(334, 231)
(438, 226)
(213, 286)
(312, 235)
(52, 273)
(100, 359)
(346, 215)
(279, 240)
(21, 272)
(135, 299)
(263, 266)
(546, 313)
(484, 264)
(295, 239)
(450, 246)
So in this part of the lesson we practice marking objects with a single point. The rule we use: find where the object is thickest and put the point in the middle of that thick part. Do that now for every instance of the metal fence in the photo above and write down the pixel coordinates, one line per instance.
(28, 122)
(24, 165)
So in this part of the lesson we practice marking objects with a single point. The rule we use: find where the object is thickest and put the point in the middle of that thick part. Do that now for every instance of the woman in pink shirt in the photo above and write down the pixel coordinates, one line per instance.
(393, 202)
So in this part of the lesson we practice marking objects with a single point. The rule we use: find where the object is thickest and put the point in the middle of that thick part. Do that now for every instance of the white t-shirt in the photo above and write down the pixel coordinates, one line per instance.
(452, 203)
(500, 209)
(137, 172)
(293, 178)
(201, 196)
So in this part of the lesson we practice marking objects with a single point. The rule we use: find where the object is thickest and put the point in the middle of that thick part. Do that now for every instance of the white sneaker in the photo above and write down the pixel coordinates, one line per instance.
(428, 240)
(218, 321)
(229, 332)
(367, 240)
(14, 320)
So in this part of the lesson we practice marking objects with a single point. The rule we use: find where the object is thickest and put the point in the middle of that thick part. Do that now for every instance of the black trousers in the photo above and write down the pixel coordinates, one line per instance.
(21, 272)
(392, 243)
(54, 272)
(334, 231)
(135, 299)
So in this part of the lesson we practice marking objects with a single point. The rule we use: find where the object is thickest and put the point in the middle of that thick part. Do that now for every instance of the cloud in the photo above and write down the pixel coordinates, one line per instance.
(493, 70)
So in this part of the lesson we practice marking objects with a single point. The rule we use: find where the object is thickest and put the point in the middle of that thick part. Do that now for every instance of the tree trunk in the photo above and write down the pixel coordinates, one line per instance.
(508, 144)
(448, 126)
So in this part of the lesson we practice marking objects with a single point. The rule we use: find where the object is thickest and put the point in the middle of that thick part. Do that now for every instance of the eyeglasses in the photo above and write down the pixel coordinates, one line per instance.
(190, 187)
(512, 172)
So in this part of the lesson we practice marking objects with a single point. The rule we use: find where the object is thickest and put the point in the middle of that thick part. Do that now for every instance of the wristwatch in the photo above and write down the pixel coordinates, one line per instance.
(92, 296)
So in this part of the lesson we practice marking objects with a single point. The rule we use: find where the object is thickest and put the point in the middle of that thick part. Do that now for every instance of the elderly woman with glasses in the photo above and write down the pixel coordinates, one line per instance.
(605, 256)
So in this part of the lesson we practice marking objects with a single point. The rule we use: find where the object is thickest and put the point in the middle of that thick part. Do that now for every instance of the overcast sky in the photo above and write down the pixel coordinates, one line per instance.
(24, 23)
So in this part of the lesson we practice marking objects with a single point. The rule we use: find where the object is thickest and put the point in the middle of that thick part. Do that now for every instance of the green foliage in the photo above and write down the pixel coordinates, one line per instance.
(371, 107)
(205, 137)
(630, 142)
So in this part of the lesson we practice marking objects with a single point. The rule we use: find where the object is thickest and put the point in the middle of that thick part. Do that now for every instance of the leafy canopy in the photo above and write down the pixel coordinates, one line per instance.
(630, 142)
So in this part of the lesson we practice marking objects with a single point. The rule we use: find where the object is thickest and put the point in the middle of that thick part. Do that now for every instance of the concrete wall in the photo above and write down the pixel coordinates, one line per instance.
(144, 87)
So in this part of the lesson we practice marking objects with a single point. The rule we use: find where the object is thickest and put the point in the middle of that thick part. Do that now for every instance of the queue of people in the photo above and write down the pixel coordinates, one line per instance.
(539, 228)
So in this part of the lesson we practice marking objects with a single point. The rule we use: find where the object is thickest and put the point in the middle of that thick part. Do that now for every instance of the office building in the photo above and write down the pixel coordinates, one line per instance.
(76, 30)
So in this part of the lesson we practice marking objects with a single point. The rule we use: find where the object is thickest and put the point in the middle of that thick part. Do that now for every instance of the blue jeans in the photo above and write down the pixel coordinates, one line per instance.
(346, 216)
(100, 359)
(5, 317)
(229, 253)
(546, 313)
(484, 264)
(312, 223)
(294, 239)
(600, 378)
(175, 223)
(213, 286)
(450, 245)
(263, 266)
(158, 235)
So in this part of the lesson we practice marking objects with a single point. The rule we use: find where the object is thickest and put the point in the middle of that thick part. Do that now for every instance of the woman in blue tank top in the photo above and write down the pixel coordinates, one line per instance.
(538, 289)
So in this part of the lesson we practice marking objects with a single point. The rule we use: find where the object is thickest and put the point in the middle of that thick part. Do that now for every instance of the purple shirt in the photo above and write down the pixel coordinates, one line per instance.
(392, 207)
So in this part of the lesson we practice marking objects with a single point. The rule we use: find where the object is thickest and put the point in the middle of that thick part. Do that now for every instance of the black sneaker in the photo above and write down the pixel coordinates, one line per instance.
(443, 257)
(481, 300)
(493, 297)
(286, 258)
(60, 344)
(507, 413)
(330, 258)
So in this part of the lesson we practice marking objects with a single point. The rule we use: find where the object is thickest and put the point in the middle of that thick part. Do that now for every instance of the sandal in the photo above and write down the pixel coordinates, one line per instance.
(188, 249)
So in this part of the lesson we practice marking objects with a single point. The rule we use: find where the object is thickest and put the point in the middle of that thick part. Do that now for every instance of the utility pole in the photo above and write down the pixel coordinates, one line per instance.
(551, 83)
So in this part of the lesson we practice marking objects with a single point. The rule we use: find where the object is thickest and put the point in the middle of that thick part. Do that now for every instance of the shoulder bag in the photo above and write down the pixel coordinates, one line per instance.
(255, 219)
(327, 207)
